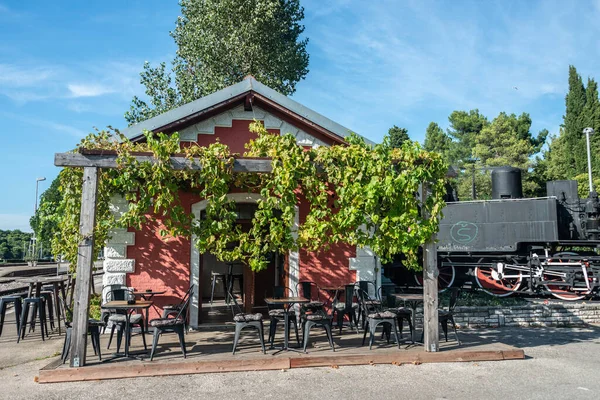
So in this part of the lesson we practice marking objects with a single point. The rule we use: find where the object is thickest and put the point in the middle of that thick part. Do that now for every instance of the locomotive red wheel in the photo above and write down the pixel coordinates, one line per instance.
(560, 289)
(445, 278)
(490, 283)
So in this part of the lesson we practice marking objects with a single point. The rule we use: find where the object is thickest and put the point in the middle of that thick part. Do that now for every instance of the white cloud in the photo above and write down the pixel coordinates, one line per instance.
(12, 75)
(88, 90)
(15, 221)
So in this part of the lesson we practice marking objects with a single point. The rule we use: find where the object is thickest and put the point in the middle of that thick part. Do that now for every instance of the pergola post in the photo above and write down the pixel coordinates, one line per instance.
(85, 262)
(430, 290)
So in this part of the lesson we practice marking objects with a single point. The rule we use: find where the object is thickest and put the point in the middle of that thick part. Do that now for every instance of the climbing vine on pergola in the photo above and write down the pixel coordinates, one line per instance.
(357, 194)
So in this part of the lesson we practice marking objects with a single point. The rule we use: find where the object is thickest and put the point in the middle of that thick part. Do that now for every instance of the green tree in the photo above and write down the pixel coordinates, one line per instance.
(437, 140)
(219, 42)
(398, 136)
(13, 244)
(464, 128)
(573, 123)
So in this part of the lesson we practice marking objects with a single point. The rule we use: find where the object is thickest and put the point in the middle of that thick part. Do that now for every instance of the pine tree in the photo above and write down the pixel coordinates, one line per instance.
(398, 136)
(437, 140)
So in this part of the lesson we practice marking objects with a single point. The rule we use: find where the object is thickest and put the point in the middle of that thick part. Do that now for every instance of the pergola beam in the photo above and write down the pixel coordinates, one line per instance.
(256, 165)
(91, 161)
(431, 337)
(85, 262)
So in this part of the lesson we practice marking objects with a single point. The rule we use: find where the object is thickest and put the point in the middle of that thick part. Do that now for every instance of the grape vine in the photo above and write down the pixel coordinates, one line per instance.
(357, 194)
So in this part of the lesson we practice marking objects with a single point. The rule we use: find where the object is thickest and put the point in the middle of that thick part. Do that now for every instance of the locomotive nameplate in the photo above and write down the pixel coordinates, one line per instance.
(497, 225)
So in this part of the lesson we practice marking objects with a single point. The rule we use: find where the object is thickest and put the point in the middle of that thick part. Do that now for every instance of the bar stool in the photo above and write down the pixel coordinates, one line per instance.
(4, 302)
(213, 282)
(240, 279)
(37, 303)
(48, 295)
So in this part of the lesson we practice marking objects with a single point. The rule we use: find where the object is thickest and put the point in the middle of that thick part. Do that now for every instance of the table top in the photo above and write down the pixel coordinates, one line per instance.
(286, 300)
(41, 279)
(153, 293)
(409, 296)
(122, 304)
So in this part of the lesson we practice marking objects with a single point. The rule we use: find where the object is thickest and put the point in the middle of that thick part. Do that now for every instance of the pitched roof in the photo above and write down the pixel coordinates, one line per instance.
(184, 114)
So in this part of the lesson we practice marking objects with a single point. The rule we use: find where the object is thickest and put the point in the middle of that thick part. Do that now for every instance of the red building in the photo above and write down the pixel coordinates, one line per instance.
(143, 260)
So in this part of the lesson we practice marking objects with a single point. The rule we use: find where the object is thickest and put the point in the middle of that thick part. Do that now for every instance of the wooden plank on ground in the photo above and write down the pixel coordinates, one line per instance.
(406, 357)
(85, 263)
(515, 354)
(160, 369)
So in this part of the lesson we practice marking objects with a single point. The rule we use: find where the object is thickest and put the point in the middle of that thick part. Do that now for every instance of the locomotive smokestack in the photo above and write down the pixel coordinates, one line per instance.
(588, 132)
(506, 183)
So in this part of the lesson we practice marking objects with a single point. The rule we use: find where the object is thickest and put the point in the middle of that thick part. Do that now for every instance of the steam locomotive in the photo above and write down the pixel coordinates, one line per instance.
(510, 244)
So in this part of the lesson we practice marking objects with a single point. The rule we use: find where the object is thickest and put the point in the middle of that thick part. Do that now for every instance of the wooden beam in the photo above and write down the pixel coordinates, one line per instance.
(158, 368)
(430, 289)
(177, 162)
(85, 262)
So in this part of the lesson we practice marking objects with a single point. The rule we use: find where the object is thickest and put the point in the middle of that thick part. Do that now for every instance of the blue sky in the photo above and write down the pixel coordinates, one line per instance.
(69, 66)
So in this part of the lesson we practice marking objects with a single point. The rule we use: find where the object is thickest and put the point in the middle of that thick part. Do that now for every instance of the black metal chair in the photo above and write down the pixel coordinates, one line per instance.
(36, 304)
(316, 318)
(175, 308)
(4, 302)
(243, 320)
(377, 317)
(214, 276)
(119, 319)
(445, 316)
(347, 307)
(94, 327)
(176, 325)
(277, 313)
(310, 291)
(367, 303)
(390, 303)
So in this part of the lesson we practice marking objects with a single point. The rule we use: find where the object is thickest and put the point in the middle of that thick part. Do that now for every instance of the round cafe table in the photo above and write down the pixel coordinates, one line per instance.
(413, 300)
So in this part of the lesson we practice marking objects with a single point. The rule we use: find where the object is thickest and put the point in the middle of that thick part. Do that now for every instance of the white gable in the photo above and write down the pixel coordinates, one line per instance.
(207, 127)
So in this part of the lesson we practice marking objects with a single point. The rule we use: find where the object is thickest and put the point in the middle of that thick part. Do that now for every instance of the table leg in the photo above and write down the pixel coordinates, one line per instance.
(414, 323)
(286, 329)
(56, 304)
(127, 327)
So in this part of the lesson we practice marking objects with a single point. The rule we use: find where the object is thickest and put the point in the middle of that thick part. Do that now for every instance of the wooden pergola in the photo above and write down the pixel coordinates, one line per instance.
(92, 161)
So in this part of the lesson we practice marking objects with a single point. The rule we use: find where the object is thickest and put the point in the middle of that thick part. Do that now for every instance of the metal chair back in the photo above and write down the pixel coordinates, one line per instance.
(386, 295)
(308, 289)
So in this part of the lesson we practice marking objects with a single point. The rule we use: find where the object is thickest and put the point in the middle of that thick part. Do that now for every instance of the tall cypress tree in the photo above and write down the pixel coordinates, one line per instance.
(591, 118)
(573, 124)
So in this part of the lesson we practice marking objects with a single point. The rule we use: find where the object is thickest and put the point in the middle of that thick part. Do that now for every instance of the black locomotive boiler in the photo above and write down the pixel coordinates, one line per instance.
(511, 244)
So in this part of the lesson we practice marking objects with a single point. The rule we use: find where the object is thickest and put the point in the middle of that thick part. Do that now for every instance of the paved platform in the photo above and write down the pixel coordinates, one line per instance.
(209, 351)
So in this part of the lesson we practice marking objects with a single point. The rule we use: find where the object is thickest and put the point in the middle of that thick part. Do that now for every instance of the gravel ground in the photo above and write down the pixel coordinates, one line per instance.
(561, 363)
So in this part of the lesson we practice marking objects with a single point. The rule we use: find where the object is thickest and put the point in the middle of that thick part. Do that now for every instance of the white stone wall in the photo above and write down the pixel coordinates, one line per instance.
(561, 314)
(367, 267)
(116, 264)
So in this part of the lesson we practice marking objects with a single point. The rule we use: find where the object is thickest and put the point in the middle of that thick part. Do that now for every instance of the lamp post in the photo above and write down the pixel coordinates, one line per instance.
(35, 207)
(588, 132)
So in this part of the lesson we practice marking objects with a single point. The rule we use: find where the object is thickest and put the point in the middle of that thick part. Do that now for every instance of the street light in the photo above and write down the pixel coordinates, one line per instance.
(37, 181)
(588, 132)
(35, 207)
